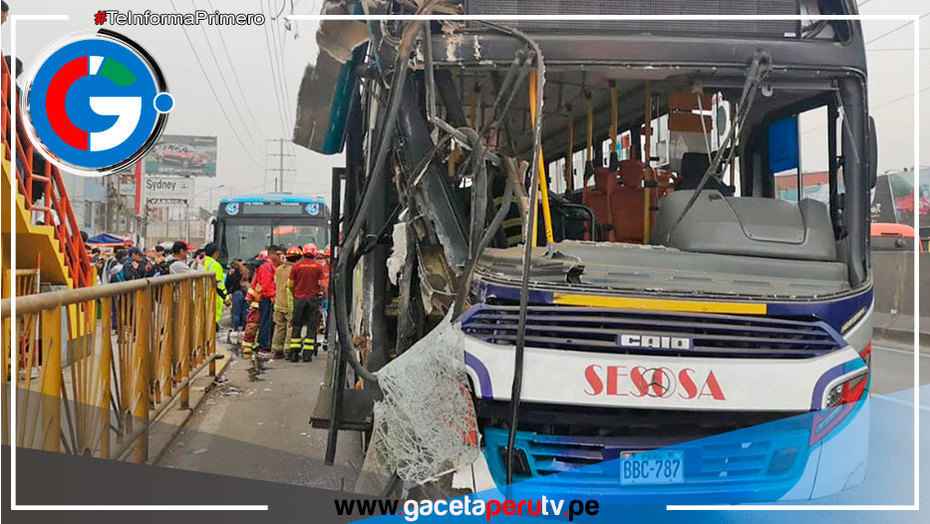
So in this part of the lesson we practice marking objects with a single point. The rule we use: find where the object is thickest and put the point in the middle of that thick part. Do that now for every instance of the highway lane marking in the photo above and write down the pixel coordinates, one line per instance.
(902, 351)
(901, 402)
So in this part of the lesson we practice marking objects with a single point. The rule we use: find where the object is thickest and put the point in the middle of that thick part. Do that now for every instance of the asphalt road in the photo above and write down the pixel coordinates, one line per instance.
(893, 367)
(260, 430)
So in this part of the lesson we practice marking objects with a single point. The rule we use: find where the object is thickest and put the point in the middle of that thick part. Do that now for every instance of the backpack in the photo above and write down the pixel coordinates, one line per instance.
(164, 266)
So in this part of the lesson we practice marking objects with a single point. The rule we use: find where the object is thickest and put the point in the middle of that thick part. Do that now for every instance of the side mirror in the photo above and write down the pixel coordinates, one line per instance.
(873, 154)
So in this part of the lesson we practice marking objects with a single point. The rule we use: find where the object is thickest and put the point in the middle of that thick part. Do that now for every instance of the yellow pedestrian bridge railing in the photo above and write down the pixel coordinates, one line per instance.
(137, 346)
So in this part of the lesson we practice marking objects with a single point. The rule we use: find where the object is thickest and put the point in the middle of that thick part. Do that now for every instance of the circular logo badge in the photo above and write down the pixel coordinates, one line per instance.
(313, 209)
(232, 208)
(95, 103)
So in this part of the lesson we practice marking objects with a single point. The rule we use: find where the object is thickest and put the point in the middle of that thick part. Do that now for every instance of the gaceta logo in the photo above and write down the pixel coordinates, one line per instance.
(95, 103)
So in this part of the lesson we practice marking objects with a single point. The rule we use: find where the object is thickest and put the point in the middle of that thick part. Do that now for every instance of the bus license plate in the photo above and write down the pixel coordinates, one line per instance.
(653, 467)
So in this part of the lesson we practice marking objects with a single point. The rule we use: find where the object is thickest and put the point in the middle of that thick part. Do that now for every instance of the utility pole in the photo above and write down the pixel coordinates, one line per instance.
(279, 178)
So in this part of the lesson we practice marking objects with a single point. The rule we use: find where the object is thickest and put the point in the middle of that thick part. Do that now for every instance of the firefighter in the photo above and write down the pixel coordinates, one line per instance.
(283, 302)
(305, 282)
(253, 317)
(259, 325)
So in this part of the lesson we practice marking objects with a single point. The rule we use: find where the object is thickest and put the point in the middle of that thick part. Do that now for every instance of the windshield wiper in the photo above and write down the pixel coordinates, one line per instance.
(758, 70)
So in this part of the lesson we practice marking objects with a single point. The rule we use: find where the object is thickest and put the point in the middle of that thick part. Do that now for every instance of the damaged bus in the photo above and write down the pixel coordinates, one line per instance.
(580, 218)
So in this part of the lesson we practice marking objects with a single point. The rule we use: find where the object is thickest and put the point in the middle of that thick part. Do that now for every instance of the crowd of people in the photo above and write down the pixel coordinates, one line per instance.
(277, 300)
(122, 264)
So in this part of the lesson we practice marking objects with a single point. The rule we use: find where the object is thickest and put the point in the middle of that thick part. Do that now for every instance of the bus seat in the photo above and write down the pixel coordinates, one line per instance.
(597, 198)
(632, 172)
(693, 167)
(664, 177)
(749, 226)
(626, 204)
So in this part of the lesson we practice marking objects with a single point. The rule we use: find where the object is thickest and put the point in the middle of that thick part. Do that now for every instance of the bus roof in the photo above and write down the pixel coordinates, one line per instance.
(289, 198)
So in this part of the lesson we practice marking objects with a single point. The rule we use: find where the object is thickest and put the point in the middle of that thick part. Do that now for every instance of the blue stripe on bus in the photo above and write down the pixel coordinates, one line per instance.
(274, 198)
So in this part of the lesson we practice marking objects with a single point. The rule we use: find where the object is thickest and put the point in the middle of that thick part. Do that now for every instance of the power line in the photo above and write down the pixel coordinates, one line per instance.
(245, 101)
(281, 155)
(225, 83)
(897, 49)
(896, 29)
(283, 6)
(877, 106)
(215, 96)
(898, 99)
(271, 64)
(285, 91)
(276, 46)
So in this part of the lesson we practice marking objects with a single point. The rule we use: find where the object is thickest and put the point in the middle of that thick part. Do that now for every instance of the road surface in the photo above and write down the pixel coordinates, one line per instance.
(260, 430)
(893, 367)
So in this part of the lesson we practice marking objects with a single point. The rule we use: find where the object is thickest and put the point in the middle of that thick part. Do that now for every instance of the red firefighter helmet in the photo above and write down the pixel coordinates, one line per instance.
(292, 252)
(309, 249)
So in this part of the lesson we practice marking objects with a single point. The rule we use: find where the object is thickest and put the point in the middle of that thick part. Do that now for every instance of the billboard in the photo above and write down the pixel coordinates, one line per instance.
(182, 155)
(162, 190)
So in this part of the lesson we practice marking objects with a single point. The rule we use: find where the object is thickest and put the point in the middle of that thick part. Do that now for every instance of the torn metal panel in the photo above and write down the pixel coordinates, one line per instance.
(410, 317)
(324, 98)
(339, 38)
(431, 194)
(398, 258)
(437, 282)
(323, 105)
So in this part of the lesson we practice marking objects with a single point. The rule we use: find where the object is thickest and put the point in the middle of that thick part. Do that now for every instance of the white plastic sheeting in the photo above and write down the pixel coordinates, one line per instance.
(398, 258)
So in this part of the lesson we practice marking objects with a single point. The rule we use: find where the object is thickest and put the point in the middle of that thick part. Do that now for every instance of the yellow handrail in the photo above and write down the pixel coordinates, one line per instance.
(543, 185)
(97, 394)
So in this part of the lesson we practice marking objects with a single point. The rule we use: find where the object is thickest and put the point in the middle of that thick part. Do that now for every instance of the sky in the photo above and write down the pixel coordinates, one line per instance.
(243, 111)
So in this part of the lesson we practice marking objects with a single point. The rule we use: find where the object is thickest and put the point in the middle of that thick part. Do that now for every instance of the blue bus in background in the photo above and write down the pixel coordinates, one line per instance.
(247, 224)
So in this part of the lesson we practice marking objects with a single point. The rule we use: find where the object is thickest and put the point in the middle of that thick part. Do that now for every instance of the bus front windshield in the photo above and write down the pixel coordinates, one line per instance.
(246, 240)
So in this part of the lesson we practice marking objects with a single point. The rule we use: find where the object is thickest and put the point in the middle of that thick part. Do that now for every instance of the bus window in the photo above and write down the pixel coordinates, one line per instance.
(246, 240)
(578, 160)
(298, 235)
(798, 152)
(815, 179)
(784, 157)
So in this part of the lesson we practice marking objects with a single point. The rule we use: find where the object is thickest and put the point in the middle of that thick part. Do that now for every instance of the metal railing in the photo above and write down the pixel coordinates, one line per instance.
(97, 394)
(54, 204)
(27, 281)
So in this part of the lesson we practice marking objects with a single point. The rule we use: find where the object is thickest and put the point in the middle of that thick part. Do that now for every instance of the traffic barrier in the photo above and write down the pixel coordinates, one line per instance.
(97, 394)
(893, 275)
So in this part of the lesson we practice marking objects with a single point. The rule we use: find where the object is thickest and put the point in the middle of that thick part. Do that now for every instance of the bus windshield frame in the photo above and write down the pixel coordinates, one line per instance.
(257, 231)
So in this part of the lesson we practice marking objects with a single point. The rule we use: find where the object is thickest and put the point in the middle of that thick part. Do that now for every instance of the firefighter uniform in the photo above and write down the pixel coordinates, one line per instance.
(283, 307)
(304, 282)
(258, 323)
